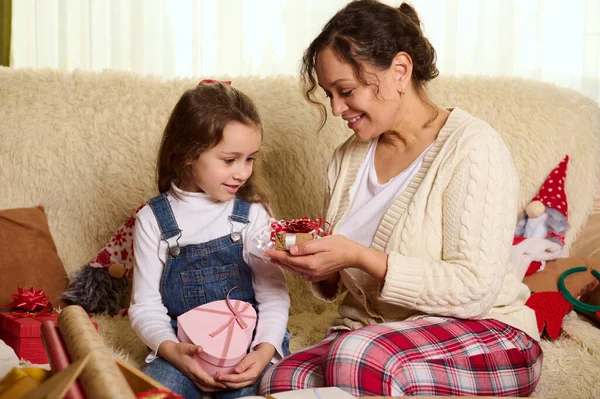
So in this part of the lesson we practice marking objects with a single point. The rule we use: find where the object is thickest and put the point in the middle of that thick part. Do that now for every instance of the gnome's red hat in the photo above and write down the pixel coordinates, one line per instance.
(552, 194)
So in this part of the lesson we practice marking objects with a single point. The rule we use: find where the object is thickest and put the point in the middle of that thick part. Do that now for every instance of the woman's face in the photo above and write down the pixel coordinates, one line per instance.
(370, 109)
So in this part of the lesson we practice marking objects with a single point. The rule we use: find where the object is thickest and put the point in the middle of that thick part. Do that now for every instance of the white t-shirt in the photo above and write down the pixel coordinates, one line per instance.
(369, 200)
(201, 219)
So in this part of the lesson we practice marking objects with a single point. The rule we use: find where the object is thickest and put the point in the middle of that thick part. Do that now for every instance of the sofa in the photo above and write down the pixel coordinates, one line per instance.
(83, 145)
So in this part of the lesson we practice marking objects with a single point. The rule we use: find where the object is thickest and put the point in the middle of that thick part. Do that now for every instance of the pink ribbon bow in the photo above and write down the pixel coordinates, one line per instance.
(236, 316)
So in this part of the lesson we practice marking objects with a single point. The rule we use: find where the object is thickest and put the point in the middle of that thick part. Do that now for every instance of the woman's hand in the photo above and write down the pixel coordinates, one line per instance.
(250, 368)
(322, 259)
(182, 356)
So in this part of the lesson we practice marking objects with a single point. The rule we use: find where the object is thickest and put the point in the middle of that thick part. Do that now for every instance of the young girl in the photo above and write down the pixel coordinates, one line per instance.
(189, 242)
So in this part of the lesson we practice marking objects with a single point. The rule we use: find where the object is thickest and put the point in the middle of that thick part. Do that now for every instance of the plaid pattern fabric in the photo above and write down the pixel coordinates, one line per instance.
(428, 356)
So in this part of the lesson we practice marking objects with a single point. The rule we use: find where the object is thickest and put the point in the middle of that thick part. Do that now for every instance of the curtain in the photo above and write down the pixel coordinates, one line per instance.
(548, 40)
(5, 17)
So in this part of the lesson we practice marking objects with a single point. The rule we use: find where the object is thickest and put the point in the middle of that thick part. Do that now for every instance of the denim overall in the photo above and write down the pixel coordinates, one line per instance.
(198, 274)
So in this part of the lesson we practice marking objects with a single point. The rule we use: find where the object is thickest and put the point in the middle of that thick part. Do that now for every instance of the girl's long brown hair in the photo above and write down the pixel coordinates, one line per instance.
(196, 124)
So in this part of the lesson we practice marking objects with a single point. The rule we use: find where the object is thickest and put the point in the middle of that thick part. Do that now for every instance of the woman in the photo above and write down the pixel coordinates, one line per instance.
(423, 203)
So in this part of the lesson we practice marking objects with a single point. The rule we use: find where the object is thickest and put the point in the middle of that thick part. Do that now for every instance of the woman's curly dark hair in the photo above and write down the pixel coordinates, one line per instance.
(372, 33)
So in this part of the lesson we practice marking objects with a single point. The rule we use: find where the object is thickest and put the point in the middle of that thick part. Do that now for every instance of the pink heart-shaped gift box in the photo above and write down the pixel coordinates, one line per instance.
(224, 331)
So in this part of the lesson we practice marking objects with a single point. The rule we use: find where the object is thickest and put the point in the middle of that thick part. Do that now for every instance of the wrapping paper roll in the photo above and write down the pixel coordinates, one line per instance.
(57, 355)
(101, 377)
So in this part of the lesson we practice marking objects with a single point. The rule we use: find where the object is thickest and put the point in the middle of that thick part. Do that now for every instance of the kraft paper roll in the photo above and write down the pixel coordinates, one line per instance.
(101, 377)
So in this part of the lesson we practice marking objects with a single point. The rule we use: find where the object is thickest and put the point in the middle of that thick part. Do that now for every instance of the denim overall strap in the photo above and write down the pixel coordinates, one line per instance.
(164, 216)
(241, 210)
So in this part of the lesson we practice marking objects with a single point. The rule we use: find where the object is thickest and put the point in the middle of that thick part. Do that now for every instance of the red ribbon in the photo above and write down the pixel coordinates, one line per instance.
(29, 300)
(225, 82)
(23, 315)
(302, 225)
(560, 237)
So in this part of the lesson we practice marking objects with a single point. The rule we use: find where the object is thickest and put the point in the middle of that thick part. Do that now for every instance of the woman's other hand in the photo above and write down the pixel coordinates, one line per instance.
(322, 259)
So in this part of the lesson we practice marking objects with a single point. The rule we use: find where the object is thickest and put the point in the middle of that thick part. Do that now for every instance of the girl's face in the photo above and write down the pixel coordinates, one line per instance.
(368, 112)
(221, 170)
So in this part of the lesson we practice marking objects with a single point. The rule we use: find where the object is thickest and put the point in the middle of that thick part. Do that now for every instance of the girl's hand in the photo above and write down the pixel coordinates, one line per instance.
(321, 259)
(250, 368)
(182, 356)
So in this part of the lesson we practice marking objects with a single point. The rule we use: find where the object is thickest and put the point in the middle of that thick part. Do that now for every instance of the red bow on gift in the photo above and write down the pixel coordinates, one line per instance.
(225, 82)
(302, 225)
(29, 300)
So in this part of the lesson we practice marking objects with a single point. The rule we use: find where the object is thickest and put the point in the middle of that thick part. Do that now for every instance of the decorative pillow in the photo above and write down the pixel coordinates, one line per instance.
(28, 256)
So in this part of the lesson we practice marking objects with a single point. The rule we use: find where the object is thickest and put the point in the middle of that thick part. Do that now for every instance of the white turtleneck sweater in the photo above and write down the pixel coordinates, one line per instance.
(448, 234)
(201, 219)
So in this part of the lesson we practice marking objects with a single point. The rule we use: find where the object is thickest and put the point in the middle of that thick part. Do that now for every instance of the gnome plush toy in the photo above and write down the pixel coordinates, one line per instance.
(539, 235)
(547, 214)
(103, 284)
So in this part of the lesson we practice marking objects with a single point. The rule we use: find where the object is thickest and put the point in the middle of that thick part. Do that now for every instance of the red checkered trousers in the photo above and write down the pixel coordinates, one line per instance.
(427, 356)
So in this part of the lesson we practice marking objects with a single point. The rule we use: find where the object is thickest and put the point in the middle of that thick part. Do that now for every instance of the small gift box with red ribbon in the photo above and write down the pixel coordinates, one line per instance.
(287, 233)
(224, 331)
(20, 323)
